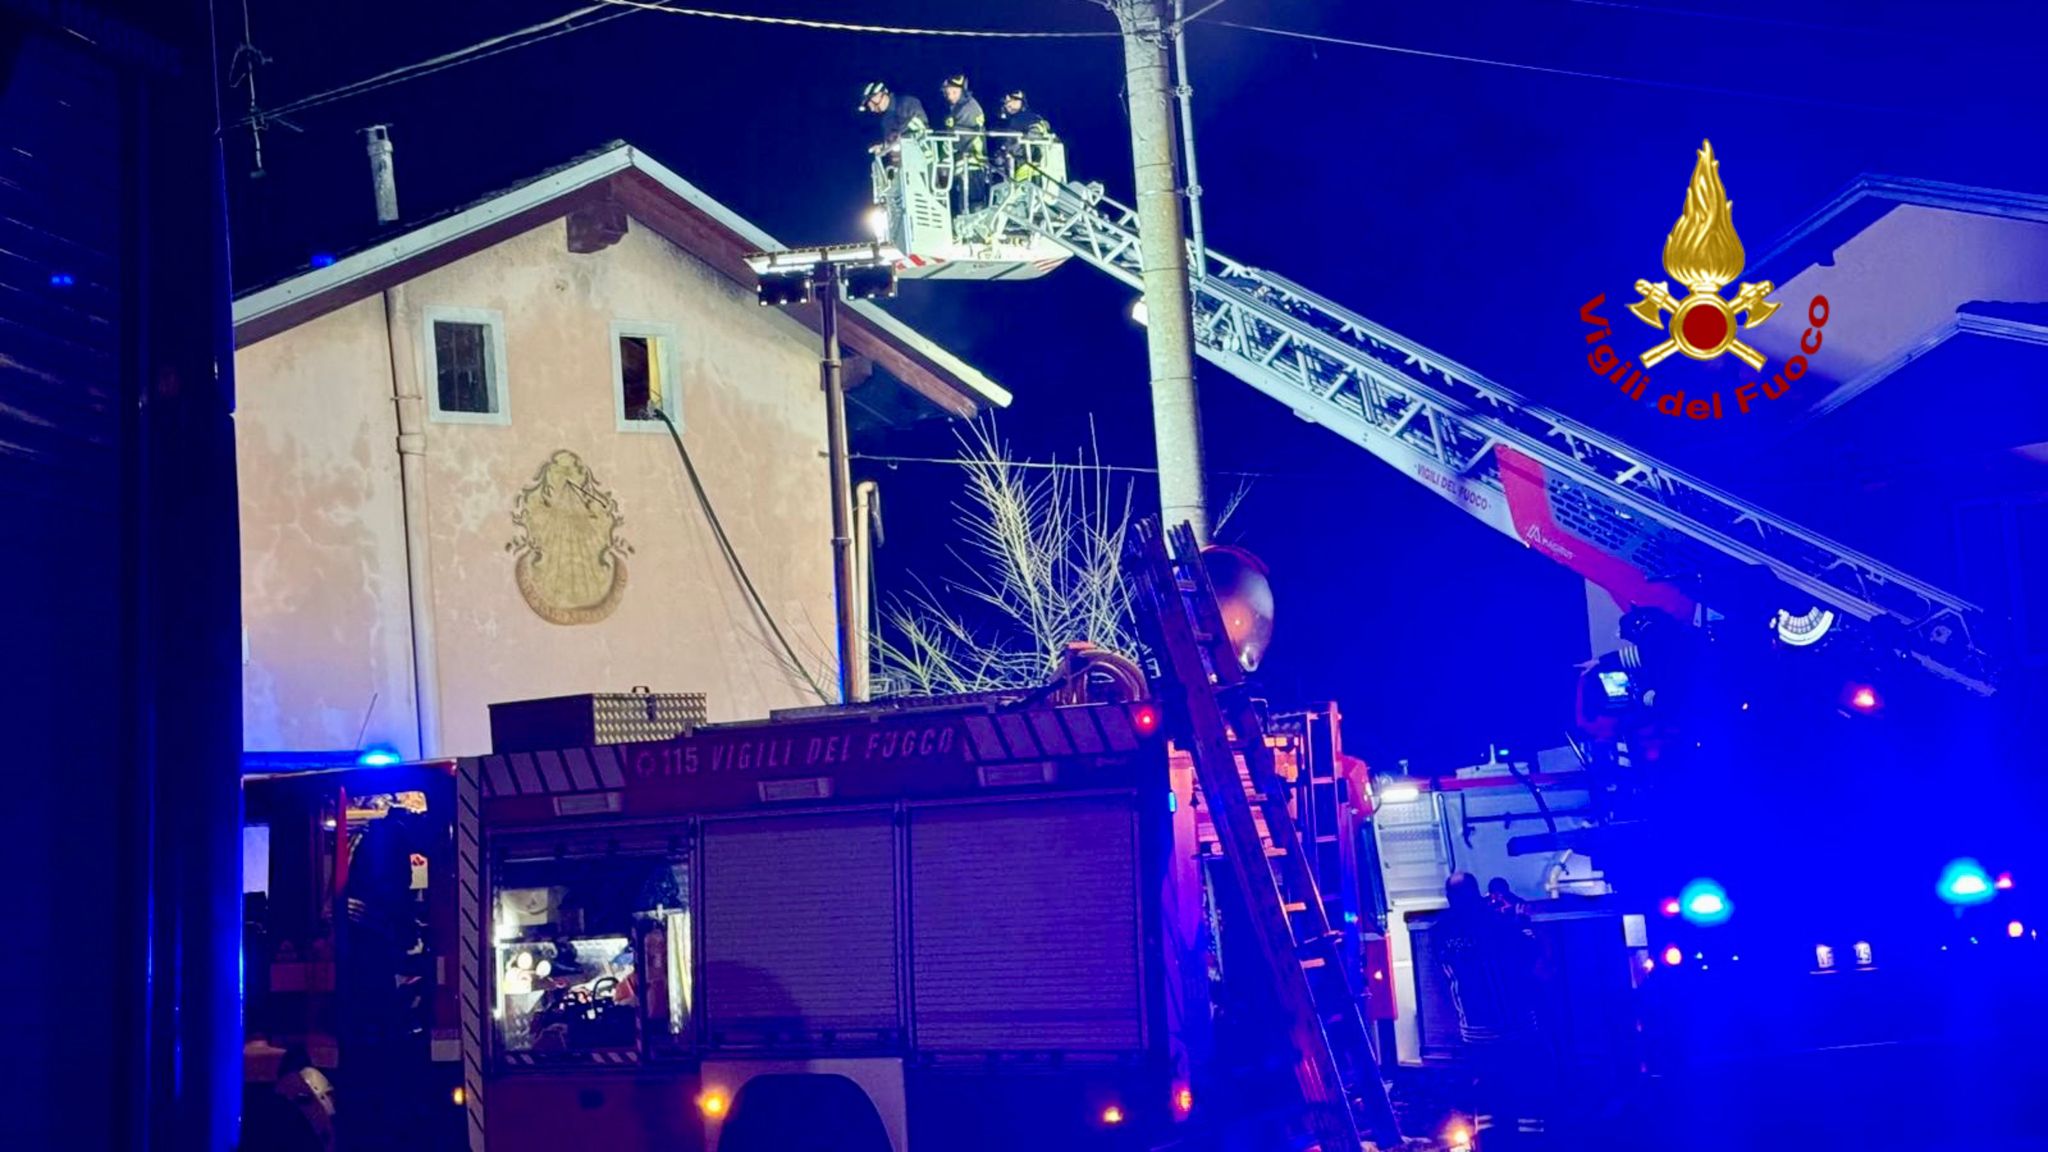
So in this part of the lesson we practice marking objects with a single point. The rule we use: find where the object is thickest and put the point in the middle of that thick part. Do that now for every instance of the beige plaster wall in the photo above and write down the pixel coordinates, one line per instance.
(324, 566)
(324, 596)
(753, 419)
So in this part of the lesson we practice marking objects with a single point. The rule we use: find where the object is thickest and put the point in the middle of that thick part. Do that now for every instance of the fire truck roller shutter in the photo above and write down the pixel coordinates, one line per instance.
(800, 930)
(1024, 926)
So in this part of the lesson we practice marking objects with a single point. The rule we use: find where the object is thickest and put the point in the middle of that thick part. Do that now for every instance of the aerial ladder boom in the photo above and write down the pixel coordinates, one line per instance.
(1337, 1072)
(1619, 518)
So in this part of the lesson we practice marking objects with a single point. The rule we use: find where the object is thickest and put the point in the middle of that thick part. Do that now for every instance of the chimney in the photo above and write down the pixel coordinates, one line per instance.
(383, 179)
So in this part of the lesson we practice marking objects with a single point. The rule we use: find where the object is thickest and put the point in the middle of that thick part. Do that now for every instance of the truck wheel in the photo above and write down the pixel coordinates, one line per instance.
(803, 1113)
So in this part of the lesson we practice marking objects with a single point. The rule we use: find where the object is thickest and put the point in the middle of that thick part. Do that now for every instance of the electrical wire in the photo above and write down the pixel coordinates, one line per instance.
(481, 50)
(837, 26)
(563, 25)
(732, 558)
(1057, 466)
(1673, 85)
(1733, 17)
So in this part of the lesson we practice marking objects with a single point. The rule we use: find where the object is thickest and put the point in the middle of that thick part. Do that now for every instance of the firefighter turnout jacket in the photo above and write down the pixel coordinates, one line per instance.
(966, 119)
(904, 117)
(1032, 132)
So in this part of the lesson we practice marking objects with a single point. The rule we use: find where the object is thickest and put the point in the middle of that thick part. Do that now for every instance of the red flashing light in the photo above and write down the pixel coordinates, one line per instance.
(1145, 718)
(1674, 956)
(1112, 1115)
(1864, 698)
(1670, 907)
(1184, 1101)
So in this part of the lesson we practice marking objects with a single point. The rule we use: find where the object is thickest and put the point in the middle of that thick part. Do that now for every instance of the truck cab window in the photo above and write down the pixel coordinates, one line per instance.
(591, 956)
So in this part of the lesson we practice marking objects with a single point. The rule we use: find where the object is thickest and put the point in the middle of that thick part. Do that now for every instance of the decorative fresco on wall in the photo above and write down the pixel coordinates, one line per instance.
(570, 560)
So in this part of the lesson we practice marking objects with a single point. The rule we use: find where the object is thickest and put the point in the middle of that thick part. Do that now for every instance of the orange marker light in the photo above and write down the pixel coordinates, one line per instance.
(713, 1104)
(460, 1096)
(1112, 1115)
(1184, 1100)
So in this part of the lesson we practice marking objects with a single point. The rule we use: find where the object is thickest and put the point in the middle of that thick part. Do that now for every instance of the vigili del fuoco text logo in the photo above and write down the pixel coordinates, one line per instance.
(1703, 254)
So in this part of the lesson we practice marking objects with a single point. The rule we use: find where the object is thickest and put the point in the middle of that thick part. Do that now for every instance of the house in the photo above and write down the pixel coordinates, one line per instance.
(1920, 435)
(455, 489)
(1916, 433)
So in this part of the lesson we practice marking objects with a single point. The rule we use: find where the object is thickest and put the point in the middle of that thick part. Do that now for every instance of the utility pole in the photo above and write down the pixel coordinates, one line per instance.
(819, 275)
(853, 660)
(1169, 324)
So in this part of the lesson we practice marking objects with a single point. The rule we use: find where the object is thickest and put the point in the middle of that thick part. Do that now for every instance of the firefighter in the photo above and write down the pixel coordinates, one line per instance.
(963, 114)
(964, 119)
(1029, 133)
(1490, 965)
(1503, 900)
(901, 115)
(295, 1114)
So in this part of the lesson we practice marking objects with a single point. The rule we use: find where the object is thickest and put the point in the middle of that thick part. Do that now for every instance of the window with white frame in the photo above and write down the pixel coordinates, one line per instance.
(644, 377)
(465, 362)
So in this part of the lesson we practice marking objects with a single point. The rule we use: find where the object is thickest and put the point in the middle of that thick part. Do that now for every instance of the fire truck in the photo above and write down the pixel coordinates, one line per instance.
(942, 925)
(322, 834)
(979, 922)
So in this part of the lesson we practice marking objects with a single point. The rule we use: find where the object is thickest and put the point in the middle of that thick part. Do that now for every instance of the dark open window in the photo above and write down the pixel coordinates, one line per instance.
(640, 380)
(465, 372)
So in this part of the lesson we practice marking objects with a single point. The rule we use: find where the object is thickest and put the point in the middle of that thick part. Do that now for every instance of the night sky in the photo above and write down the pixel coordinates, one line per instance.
(1470, 207)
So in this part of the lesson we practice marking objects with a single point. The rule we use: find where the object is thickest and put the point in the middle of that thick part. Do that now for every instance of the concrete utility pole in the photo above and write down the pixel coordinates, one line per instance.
(1169, 325)
(800, 276)
(853, 633)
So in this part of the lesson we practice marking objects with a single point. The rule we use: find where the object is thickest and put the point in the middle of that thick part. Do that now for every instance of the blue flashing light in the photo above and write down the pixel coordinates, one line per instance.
(377, 758)
(1965, 882)
(1705, 903)
(323, 259)
(62, 280)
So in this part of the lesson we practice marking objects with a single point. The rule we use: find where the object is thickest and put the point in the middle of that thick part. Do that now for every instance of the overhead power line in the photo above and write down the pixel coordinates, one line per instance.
(837, 26)
(1732, 17)
(483, 49)
(568, 22)
(1063, 466)
(1645, 82)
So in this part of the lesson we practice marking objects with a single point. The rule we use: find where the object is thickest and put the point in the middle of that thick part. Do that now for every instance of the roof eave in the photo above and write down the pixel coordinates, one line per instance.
(1887, 192)
(273, 309)
(921, 364)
